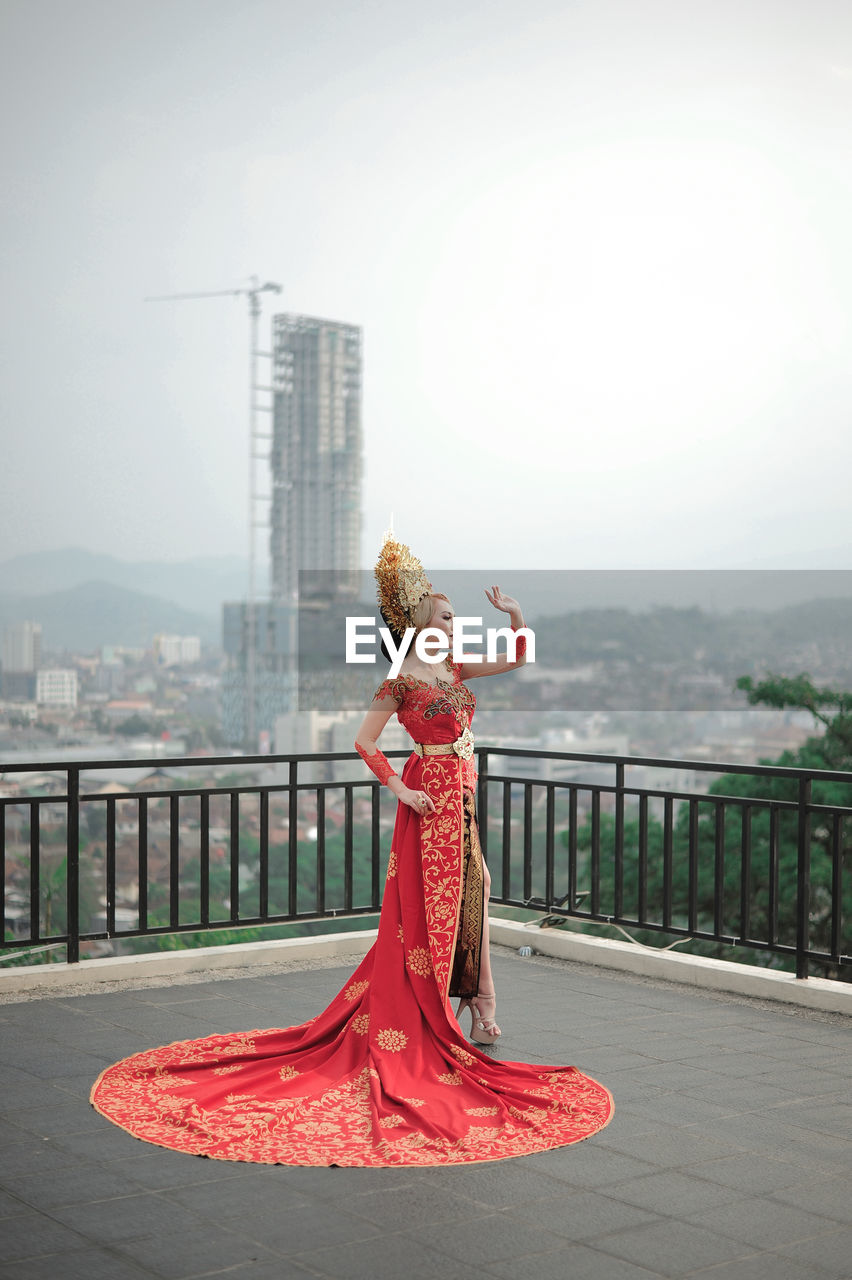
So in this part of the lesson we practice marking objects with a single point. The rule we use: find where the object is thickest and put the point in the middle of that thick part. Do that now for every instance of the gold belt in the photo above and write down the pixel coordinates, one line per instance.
(463, 746)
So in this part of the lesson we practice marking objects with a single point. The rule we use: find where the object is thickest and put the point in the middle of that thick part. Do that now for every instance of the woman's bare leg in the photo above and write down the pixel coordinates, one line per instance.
(486, 977)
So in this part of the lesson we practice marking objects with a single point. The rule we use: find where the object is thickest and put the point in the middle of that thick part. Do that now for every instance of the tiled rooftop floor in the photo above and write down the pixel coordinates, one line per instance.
(729, 1157)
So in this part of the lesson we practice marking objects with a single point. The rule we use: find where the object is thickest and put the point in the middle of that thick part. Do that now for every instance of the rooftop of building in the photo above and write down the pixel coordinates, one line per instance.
(728, 1158)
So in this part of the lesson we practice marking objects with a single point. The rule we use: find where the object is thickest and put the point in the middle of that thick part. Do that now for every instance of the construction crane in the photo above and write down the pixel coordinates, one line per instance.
(256, 453)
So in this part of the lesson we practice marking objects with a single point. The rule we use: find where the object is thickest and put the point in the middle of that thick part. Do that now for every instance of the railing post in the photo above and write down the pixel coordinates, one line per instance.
(292, 839)
(482, 802)
(803, 887)
(618, 867)
(72, 879)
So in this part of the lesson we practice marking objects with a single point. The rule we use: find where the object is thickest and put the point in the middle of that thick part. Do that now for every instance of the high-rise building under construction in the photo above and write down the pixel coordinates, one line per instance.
(316, 451)
(314, 515)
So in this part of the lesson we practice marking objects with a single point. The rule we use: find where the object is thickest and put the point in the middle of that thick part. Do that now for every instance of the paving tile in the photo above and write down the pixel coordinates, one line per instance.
(675, 1193)
(803, 1081)
(581, 1216)
(391, 1256)
(105, 1143)
(672, 1248)
(589, 1165)
(274, 1269)
(12, 1207)
(79, 1087)
(21, 1092)
(31, 1235)
(295, 1230)
(195, 1251)
(36, 1155)
(739, 1063)
(748, 1171)
(627, 1122)
(191, 993)
(412, 1206)
(737, 1094)
(228, 1200)
(833, 1119)
(62, 1063)
(669, 1146)
(676, 1046)
(12, 1131)
(51, 1122)
(757, 1221)
(336, 1185)
(678, 1109)
(496, 1186)
(572, 1262)
(127, 1218)
(83, 1264)
(766, 1131)
(829, 1197)
(48, 1191)
(762, 1266)
(830, 1252)
(158, 1169)
(489, 1238)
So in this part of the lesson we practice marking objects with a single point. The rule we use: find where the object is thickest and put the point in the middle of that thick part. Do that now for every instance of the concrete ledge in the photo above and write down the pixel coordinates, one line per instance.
(64, 978)
(668, 966)
(697, 971)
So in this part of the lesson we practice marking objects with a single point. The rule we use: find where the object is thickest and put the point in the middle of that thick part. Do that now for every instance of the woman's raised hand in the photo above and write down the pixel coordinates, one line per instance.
(419, 801)
(506, 604)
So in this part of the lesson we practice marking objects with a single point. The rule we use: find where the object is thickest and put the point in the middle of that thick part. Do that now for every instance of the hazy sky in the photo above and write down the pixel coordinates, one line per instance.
(600, 251)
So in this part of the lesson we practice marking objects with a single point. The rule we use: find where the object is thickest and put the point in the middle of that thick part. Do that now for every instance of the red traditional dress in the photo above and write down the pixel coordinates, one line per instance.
(384, 1076)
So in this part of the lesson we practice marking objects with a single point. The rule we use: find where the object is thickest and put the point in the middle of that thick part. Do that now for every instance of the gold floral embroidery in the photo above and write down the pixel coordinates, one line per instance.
(442, 857)
(224, 1071)
(356, 989)
(419, 962)
(237, 1044)
(340, 1124)
(462, 1054)
(361, 1023)
(391, 1039)
(392, 863)
(288, 1073)
(390, 1122)
(400, 936)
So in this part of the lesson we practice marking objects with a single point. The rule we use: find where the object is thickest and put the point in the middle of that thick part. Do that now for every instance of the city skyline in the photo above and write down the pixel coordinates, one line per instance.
(598, 253)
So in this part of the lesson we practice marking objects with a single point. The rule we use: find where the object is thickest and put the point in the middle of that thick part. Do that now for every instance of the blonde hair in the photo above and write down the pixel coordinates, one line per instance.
(421, 615)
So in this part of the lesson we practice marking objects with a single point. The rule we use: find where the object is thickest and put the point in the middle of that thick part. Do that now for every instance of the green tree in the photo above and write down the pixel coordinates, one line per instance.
(830, 750)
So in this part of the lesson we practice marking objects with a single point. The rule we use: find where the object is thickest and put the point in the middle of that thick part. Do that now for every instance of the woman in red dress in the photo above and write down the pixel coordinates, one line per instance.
(385, 1075)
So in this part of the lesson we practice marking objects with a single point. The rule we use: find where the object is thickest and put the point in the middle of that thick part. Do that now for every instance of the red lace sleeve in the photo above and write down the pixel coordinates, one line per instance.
(391, 689)
(378, 762)
(520, 645)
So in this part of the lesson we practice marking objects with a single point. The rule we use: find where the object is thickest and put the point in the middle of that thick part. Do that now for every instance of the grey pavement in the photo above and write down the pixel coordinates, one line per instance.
(729, 1157)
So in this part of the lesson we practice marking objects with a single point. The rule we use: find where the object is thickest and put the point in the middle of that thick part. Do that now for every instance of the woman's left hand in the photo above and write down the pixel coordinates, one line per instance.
(506, 604)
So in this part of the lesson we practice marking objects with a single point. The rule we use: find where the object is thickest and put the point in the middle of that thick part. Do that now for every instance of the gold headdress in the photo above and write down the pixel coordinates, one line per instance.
(402, 584)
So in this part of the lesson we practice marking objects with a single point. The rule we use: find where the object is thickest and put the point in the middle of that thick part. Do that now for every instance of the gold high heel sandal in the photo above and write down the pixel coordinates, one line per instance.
(487, 1028)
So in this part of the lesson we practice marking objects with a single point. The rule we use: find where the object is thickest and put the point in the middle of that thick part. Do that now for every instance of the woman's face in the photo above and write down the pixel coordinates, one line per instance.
(442, 617)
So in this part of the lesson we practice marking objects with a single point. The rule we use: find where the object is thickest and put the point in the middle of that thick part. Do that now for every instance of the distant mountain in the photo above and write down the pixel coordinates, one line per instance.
(200, 584)
(203, 583)
(89, 615)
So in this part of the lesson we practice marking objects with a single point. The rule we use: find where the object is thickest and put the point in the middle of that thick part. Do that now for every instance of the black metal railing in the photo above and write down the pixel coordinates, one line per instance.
(586, 836)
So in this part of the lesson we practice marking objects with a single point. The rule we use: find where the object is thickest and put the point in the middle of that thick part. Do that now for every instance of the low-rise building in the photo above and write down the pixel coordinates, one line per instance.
(56, 687)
